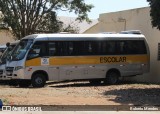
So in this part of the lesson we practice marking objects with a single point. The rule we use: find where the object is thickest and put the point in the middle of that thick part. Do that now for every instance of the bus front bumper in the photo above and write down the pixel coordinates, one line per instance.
(18, 74)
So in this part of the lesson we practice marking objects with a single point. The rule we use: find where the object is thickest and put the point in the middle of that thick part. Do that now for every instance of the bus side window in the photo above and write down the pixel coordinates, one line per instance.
(86, 48)
(140, 47)
(77, 48)
(52, 48)
(70, 44)
(121, 47)
(111, 48)
(67, 48)
(38, 50)
(124, 47)
(131, 47)
(60, 48)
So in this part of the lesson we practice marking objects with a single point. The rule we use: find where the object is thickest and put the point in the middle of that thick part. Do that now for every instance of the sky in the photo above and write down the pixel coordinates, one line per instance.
(106, 6)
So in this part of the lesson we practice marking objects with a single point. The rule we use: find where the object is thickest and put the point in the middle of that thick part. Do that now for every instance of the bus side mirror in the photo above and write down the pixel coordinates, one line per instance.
(7, 44)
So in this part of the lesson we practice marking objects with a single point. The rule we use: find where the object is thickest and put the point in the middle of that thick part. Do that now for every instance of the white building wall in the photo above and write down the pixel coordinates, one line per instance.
(6, 36)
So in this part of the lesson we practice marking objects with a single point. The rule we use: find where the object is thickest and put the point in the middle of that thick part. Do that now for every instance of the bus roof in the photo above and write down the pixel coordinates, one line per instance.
(82, 36)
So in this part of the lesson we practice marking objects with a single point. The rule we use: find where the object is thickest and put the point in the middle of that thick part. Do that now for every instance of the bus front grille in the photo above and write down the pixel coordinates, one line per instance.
(9, 71)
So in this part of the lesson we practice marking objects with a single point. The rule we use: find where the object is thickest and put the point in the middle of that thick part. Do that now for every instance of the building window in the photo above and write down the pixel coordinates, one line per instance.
(158, 51)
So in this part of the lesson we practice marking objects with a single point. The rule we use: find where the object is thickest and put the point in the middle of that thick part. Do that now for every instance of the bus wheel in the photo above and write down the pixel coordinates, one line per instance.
(38, 80)
(112, 78)
(24, 83)
(95, 82)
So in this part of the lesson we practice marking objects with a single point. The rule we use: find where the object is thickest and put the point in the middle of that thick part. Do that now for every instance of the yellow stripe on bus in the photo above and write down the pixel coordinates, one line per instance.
(33, 62)
(80, 60)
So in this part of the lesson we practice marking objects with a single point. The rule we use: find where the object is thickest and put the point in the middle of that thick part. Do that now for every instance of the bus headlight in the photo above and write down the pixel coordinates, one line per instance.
(18, 68)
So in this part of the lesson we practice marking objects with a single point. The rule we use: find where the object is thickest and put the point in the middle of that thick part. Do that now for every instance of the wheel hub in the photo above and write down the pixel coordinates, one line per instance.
(38, 80)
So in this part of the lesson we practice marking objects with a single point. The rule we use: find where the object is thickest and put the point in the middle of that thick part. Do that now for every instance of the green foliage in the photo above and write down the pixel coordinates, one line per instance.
(31, 16)
(51, 24)
(155, 13)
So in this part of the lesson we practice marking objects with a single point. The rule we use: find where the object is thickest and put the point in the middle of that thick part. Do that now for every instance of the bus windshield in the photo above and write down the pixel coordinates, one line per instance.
(21, 49)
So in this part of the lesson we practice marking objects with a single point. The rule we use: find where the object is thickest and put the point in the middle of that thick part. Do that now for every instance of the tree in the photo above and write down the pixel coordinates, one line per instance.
(29, 16)
(70, 28)
(155, 13)
(53, 25)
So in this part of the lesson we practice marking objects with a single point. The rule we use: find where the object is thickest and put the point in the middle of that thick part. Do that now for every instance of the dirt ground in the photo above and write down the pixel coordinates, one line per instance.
(82, 93)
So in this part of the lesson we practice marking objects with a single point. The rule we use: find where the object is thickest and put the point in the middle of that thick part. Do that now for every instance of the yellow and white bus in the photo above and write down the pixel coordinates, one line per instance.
(95, 57)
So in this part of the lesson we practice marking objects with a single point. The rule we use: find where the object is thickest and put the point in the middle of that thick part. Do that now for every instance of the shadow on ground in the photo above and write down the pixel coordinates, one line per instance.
(133, 96)
(149, 96)
(4, 82)
(63, 84)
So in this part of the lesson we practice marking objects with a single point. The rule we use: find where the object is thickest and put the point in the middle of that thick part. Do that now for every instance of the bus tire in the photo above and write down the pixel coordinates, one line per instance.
(112, 78)
(24, 83)
(38, 80)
